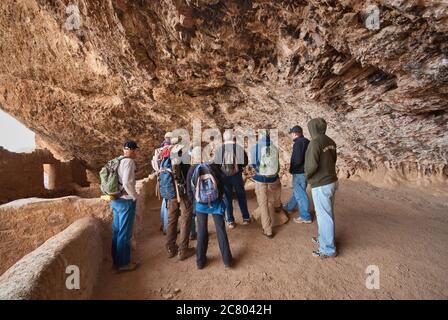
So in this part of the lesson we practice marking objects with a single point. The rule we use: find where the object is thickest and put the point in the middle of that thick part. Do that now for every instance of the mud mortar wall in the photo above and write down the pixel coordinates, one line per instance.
(22, 175)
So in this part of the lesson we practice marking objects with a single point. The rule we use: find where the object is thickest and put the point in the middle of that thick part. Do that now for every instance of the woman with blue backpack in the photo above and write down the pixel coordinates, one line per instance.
(205, 189)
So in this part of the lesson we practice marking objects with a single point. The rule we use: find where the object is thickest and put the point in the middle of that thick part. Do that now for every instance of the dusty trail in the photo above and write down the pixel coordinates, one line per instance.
(403, 232)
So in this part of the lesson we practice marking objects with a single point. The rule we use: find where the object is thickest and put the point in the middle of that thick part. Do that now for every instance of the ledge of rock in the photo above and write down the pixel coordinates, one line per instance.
(135, 69)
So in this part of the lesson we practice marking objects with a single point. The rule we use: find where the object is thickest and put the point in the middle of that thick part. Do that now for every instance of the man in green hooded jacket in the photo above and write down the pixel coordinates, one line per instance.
(320, 171)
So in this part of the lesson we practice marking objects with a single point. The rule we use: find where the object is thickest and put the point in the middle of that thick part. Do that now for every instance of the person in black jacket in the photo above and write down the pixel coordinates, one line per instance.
(232, 158)
(297, 169)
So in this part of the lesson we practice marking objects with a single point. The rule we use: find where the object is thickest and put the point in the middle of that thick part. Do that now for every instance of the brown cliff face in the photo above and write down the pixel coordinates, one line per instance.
(135, 69)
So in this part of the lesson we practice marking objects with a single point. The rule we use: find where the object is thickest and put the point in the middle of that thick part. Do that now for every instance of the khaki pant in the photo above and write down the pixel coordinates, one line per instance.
(179, 212)
(268, 199)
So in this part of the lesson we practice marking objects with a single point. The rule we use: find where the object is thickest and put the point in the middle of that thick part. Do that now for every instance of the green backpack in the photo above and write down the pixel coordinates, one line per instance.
(269, 166)
(109, 177)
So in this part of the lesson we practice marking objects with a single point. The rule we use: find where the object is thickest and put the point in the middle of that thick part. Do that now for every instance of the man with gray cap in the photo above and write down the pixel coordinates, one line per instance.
(297, 169)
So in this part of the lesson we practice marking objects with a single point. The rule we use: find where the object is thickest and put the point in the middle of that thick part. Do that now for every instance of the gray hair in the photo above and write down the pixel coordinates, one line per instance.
(228, 135)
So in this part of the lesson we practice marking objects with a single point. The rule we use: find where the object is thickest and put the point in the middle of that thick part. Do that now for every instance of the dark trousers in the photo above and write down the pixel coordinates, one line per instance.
(179, 213)
(202, 241)
(236, 183)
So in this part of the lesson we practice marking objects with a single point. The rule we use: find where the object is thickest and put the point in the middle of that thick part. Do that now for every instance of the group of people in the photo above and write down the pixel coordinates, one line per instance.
(193, 191)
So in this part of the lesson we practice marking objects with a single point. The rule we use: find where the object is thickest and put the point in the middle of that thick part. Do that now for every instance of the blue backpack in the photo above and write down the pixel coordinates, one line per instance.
(206, 187)
(166, 180)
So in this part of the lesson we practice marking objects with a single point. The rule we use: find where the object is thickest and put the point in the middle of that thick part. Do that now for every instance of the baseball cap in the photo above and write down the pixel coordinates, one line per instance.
(130, 145)
(296, 129)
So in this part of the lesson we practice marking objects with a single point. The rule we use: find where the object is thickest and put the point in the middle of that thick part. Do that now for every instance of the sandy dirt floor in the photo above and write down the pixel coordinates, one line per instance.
(403, 232)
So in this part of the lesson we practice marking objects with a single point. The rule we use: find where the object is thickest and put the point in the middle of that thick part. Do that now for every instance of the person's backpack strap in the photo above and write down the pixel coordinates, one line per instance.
(173, 177)
(194, 176)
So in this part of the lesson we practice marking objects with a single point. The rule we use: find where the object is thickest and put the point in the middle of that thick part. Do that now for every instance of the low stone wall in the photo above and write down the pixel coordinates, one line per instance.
(50, 272)
(26, 224)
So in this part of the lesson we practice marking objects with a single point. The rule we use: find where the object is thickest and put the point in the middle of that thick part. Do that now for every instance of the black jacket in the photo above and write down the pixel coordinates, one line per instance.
(298, 155)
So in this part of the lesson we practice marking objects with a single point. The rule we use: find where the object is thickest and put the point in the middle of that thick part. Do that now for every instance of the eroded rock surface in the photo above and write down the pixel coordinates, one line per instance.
(134, 69)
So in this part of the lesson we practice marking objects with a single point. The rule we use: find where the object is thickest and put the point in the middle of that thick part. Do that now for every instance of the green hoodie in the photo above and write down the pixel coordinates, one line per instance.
(320, 157)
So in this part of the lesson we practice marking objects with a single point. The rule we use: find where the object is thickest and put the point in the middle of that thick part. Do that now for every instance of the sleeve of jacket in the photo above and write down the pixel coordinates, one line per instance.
(301, 154)
(312, 159)
(253, 156)
(246, 158)
(190, 191)
(294, 155)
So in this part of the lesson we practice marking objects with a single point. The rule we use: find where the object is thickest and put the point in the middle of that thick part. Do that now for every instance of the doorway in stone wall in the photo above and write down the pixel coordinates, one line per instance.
(49, 178)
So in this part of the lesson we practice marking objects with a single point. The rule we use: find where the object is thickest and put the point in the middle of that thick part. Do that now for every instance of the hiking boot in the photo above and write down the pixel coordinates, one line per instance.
(286, 210)
(315, 240)
(318, 254)
(186, 253)
(270, 236)
(172, 252)
(201, 265)
(300, 221)
(231, 225)
(246, 222)
(130, 267)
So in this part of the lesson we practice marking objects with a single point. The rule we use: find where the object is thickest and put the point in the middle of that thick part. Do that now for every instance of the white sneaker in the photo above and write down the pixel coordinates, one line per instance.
(231, 225)
(300, 220)
(130, 267)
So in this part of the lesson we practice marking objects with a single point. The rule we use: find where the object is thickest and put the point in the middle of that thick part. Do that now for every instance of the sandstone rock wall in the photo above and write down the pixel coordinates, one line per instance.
(134, 69)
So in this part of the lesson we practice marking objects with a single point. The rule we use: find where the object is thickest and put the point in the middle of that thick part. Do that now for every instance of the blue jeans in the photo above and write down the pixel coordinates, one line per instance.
(323, 197)
(123, 222)
(164, 215)
(230, 183)
(299, 197)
